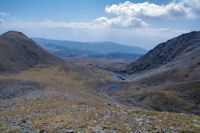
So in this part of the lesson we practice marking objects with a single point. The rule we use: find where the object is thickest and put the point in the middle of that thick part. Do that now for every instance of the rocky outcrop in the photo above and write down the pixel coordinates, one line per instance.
(166, 52)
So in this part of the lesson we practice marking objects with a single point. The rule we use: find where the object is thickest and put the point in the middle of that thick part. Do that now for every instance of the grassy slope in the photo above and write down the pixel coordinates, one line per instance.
(173, 90)
(65, 78)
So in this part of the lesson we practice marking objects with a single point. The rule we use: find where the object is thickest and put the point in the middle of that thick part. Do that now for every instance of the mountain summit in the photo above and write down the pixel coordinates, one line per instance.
(18, 52)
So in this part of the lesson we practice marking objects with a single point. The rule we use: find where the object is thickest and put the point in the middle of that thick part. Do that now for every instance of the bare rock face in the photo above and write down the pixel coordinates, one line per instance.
(166, 52)
(18, 52)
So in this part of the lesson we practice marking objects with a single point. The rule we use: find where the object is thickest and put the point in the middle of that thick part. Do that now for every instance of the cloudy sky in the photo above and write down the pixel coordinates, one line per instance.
(143, 23)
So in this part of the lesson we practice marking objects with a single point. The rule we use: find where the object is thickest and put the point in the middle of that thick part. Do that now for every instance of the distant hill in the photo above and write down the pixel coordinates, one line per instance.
(68, 48)
(18, 52)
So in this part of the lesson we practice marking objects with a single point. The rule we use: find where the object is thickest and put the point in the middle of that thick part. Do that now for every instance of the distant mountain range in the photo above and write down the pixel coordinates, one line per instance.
(71, 48)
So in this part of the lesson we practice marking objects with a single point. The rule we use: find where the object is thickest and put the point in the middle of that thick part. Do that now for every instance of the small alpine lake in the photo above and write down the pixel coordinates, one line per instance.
(117, 77)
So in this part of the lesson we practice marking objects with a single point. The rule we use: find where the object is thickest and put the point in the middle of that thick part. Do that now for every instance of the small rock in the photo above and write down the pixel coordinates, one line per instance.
(98, 128)
(108, 104)
(67, 131)
(70, 131)
(42, 131)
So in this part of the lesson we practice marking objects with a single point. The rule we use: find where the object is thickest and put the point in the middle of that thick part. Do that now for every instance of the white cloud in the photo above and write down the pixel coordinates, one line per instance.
(183, 8)
(66, 24)
(99, 23)
(51, 24)
(195, 6)
(4, 14)
(131, 15)
(128, 16)
(121, 22)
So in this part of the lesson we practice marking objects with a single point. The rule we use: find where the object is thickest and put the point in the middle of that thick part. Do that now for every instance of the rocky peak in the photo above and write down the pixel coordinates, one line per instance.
(165, 52)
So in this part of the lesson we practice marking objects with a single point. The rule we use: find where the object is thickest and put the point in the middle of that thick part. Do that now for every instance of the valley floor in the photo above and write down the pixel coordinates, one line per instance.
(57, 99)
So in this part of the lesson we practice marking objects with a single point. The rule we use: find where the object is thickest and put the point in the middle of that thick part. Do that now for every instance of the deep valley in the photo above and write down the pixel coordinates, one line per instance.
(47, 91)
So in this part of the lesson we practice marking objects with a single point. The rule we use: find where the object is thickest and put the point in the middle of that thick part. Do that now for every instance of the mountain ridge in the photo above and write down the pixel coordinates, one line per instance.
(105, 47)
(165, 52)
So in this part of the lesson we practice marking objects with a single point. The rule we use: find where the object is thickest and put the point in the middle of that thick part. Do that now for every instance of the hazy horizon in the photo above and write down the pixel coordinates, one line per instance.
(141, 23)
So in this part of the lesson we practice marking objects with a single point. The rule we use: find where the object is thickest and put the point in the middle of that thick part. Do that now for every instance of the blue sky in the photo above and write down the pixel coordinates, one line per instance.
(136, 22)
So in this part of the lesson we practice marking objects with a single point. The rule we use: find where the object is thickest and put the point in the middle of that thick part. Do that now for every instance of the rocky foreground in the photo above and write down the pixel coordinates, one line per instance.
(59, 114)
